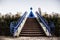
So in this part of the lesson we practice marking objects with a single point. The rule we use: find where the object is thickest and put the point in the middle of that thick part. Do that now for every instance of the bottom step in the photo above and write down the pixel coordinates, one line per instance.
(32, 35)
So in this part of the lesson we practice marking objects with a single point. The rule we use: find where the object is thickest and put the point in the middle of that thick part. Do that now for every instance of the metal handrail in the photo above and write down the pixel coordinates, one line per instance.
(42, 20)
(14, 28)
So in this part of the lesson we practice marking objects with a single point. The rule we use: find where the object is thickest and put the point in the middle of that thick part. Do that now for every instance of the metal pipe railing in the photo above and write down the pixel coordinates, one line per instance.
(45, 24)
(13, 28)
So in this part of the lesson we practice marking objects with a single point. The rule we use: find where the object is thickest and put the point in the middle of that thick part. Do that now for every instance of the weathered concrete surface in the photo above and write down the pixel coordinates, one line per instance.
(29, 38)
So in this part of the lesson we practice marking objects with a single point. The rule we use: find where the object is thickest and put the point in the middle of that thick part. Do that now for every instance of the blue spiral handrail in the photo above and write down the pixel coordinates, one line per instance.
(43, 21)
(14, 26)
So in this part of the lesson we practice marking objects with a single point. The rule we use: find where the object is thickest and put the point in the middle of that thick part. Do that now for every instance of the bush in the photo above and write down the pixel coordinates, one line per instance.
(7, 19)
(56, 21)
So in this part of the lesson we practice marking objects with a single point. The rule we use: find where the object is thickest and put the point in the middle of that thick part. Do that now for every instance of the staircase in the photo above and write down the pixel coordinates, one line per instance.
(32, 29)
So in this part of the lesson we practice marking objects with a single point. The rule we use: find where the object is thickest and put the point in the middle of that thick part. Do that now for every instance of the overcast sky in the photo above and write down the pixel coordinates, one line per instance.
(13, 6)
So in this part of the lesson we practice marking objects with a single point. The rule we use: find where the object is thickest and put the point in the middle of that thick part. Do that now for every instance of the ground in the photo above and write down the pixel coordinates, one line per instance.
(29, 38)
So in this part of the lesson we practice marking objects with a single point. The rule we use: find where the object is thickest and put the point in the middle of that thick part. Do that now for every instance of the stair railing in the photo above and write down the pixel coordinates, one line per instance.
(14, 26)
(44, 22)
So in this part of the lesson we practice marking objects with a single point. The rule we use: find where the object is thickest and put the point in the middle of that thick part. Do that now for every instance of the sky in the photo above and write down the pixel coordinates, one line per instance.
(15, 6)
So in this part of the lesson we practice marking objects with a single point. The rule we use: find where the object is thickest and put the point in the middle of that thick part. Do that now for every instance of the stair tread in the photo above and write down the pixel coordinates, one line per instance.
(31, 28)
(32, 32)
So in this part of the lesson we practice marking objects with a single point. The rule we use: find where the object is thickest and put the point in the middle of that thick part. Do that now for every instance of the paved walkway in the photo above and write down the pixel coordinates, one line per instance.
(29, 38)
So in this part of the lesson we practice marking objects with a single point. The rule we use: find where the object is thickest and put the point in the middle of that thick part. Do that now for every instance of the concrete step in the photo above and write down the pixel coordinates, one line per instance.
(31, 32)
(32, 35)
(31, 29)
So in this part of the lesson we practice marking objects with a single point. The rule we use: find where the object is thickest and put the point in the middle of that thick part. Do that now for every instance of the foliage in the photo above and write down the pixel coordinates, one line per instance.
(56, 21)
(7, 19)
